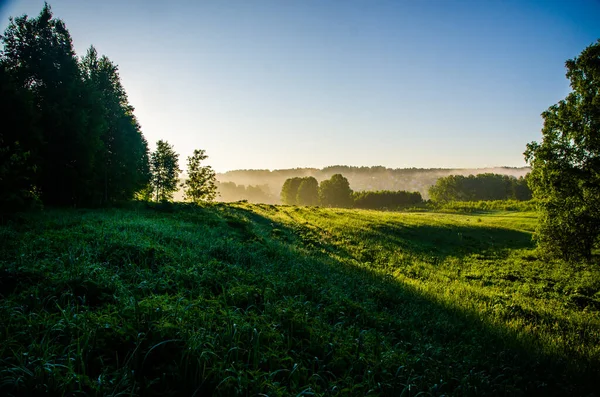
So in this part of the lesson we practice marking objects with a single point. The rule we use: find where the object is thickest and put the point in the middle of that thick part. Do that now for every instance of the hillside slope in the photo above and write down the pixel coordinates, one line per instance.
(244, 299)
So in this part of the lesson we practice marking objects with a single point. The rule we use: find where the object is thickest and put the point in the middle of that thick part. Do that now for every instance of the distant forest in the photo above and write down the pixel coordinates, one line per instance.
(265, 185)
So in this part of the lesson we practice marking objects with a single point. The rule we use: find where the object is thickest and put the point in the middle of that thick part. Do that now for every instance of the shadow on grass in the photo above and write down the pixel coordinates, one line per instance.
(446, 349)
(432, 242)
(333, 328)
(431, 329)
(457, 241)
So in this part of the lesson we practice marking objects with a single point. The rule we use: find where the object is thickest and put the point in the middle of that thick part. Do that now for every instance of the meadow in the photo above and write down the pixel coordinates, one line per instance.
(243, 299)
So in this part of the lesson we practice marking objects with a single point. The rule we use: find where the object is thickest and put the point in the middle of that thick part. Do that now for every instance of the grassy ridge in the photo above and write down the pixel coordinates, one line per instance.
(244, 299)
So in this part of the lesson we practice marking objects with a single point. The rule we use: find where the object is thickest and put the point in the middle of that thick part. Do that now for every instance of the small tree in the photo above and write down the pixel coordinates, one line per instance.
(200, 184)
(335, 192)
(164, 163)
(565, 177)
(308, 192)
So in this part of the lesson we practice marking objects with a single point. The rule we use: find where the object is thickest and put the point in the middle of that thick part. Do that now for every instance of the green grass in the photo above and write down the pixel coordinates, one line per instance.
(244, 299)
(483, 206)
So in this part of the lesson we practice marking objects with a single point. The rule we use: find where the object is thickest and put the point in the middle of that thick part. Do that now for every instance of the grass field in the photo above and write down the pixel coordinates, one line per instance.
(241, 299)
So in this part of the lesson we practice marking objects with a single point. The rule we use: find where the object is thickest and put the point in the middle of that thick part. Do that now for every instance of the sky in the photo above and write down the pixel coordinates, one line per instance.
(310, 83)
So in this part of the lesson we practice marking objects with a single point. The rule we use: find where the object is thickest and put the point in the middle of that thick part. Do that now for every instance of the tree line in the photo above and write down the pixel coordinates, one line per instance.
(482, 187)
(386, 199)
(376, 178)
(69, 134)
(336, 192)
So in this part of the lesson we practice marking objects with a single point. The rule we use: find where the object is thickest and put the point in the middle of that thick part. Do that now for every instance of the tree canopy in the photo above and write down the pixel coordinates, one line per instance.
(200, 184)
(308, 192)
(335, 192)
(479, 187)
(164, 167)
(565, 176)
(70, 136)
(385, 199)
(289, 190)
(122, 158)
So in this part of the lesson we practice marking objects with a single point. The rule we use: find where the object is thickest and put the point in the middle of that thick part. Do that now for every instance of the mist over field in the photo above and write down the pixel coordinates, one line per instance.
(360, 178)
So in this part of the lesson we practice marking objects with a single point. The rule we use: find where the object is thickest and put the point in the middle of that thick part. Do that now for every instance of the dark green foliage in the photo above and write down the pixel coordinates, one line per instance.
(308, 192)
(335, 192)
(19, 140)
(520, 189)
(479, 187)
(565, 176)
(122, 166)
(289, 191)
(386, 199)
(39, 56)
(164, 168)
(300, 191)
(73, 139)
(200, 184)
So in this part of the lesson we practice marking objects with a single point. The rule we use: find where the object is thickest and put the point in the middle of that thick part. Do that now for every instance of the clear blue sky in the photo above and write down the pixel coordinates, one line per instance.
(307, 83)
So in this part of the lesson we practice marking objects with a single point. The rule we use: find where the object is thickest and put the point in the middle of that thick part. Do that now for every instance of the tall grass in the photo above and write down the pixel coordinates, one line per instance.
(484, 206)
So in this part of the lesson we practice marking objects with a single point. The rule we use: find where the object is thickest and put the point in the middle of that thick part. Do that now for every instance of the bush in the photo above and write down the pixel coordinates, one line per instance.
(385, 199)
